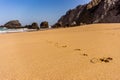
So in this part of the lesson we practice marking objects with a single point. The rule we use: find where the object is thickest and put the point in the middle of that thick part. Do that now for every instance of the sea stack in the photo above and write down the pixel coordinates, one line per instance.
(44, 24)
(13, 24)
(34, 25)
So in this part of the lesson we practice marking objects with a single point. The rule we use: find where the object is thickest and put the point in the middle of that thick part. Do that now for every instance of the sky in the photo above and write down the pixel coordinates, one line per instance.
(28, 11)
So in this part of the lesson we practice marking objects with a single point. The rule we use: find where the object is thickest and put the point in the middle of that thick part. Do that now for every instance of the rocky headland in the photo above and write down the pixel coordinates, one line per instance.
(96, 11)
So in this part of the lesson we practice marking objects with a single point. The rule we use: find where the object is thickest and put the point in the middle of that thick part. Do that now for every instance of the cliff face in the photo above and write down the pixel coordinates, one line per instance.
(97, 11)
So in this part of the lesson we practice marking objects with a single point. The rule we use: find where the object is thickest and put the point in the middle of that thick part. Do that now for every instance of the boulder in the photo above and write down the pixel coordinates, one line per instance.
(34, 25)
(13, 24)
(57, 25)
(44, 24)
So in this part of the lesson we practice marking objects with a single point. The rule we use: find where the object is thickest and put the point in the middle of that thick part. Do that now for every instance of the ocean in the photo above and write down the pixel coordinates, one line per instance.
(6, 30)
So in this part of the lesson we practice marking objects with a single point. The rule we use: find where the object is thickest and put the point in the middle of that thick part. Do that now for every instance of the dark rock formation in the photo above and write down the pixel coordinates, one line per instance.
(28, 26)
(33, 26)
(44, 24)
(97, 11)
(13, 24)
(1, 25)
(57, 25)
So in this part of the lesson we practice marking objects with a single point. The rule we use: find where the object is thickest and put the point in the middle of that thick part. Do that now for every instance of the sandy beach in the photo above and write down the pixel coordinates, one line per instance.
(90, 52)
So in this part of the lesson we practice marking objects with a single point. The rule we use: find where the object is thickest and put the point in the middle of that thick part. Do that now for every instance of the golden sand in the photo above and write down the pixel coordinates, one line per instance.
(62, 54)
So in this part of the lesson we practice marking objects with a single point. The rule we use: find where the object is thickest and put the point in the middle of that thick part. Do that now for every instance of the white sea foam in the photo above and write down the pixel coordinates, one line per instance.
(5, 30)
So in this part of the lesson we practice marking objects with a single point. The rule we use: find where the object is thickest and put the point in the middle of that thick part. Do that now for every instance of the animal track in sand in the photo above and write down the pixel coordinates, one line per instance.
(101, 60)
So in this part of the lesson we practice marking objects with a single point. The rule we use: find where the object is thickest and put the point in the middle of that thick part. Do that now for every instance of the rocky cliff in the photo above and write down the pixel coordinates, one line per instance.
(96, 11)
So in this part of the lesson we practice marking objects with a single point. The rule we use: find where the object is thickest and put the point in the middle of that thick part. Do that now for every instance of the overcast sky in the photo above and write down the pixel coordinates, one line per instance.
(28, 11)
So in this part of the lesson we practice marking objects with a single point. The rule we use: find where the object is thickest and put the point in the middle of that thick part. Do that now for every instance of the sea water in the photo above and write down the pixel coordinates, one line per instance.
(6, 30)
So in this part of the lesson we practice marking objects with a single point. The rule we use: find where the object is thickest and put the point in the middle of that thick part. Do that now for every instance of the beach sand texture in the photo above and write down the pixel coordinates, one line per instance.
(90, 52)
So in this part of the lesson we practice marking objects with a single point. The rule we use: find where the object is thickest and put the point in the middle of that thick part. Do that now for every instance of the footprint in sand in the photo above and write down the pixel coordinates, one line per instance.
(77, 49)
(58, 45)
(80, 52)
(64, 46)
(85, 54)
(101, 60)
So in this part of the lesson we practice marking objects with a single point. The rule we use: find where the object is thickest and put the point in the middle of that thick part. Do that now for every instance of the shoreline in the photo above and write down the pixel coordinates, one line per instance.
(21, 30)
(34, 30)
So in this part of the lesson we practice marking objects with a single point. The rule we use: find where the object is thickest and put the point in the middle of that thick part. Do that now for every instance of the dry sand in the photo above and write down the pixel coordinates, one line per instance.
(62, 54)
